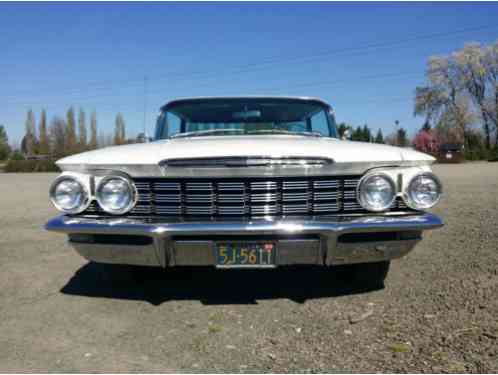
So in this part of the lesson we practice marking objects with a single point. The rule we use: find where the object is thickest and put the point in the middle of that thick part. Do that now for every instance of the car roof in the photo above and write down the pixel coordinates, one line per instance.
(193, 100)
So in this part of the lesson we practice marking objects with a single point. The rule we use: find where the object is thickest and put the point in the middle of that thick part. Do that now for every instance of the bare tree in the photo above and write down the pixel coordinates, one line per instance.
(82, 137)
(93, 131)
(471, 72)
(119, 130)
(70, 137)
(58, 136)
(491, 64)
(44, 147)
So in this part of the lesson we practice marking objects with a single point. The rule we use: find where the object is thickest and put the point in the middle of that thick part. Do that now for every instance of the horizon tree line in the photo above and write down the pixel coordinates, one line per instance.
(365, 134)
(66, 136)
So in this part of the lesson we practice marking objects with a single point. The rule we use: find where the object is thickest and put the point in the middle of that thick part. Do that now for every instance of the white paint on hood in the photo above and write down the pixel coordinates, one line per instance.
(260, 145)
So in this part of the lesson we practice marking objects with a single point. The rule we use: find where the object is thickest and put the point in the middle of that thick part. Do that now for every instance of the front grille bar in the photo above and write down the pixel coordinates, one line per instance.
(250, 197)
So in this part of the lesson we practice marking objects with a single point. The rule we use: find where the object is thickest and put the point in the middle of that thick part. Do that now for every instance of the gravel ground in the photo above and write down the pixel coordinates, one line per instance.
(437, 313)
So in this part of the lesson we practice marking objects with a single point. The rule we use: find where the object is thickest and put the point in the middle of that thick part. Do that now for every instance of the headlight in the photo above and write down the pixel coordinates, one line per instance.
(69, 195)
(424, 191)
(116, 195)
(376, 192)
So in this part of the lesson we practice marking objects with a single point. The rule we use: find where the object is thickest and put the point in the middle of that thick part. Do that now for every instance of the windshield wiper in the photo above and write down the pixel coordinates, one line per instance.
(282, 131)
(204, 132)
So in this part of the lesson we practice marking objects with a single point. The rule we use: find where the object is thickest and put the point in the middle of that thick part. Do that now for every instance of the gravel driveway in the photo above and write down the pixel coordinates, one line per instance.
(438, 312)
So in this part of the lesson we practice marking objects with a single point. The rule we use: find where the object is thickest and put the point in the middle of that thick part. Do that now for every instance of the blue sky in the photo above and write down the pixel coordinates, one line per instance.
(365, 59)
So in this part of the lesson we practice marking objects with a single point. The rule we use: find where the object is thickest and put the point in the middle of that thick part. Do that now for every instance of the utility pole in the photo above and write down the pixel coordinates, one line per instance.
(145, 107)
(396, 128)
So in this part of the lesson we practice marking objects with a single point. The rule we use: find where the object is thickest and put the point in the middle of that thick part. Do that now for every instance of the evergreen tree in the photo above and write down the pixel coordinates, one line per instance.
(366, 134)
(379, 138)
(4, 144)
(82, 141)
(44, 147)
(29, 141)
(357, 134)
(402, 139)
(70, 136)
(342, 128)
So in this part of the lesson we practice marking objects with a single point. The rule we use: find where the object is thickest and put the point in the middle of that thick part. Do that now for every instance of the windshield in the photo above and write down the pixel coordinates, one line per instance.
(245, 117)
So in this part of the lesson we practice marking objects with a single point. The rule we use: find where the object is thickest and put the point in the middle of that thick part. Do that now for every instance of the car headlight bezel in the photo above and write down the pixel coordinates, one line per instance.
(359, 191)
(84, 201)
(131, 189)
(408, 193)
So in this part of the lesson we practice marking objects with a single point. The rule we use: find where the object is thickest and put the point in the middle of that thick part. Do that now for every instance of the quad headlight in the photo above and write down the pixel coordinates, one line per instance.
(424, 191)
(116, 195)
(69, 195)
(376, 192)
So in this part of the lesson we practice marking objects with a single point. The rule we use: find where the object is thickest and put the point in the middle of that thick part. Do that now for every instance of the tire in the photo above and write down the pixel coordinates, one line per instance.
(367, 275)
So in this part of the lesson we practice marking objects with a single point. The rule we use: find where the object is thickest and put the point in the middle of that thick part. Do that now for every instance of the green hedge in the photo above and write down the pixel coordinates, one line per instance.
(19, 166)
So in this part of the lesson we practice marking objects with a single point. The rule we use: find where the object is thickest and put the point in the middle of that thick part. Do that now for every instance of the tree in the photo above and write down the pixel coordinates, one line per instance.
(357, 134)
(472, 75)
(401, 138)
(44, 147)
(491, 65)
(342, 128)
(366, 134)
(29, 141)
(58, 133)
(119, 130)
(93, 131)
(70, 136)
(463, 88)
(426, 141)
(379, 138)
(427, 126)
(4, 144)
(82, 137)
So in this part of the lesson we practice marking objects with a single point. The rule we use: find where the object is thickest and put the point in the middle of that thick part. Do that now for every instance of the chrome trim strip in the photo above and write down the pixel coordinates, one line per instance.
(245, 161)
(334, 169)
(70, 224)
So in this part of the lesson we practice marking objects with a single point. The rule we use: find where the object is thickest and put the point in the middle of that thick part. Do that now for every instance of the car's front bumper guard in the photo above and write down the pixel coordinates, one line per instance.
(314, 240)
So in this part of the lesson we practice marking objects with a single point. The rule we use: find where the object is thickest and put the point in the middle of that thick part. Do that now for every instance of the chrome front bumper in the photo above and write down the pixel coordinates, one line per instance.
(317, 240)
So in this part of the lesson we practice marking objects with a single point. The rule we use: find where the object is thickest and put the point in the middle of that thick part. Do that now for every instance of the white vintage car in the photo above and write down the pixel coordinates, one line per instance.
(247, 182)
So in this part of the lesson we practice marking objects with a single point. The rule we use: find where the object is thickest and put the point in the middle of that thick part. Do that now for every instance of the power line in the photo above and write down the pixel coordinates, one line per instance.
(311, 84)
(277, 60)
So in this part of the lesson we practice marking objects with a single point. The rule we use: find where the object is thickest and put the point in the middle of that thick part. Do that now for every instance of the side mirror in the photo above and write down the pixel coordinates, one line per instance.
(346, 135)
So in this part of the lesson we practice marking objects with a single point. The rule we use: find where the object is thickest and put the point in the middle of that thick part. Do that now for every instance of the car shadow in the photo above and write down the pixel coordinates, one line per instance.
(210, 286)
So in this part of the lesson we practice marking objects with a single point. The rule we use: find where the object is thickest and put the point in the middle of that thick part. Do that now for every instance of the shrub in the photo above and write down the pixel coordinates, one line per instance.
(16, 155)
(21, 166)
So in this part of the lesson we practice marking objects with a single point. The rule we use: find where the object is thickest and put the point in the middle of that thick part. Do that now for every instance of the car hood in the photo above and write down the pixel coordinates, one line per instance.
(275, 146)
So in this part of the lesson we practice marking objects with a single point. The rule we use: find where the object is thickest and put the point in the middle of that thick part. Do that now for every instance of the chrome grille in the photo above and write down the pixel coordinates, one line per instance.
(246, 197)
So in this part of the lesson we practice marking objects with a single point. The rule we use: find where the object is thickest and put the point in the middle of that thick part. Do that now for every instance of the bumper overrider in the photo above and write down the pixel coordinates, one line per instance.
(303, 241)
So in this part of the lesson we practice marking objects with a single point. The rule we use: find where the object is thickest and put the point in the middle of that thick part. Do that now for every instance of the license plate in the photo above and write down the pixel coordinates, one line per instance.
(245, 254)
